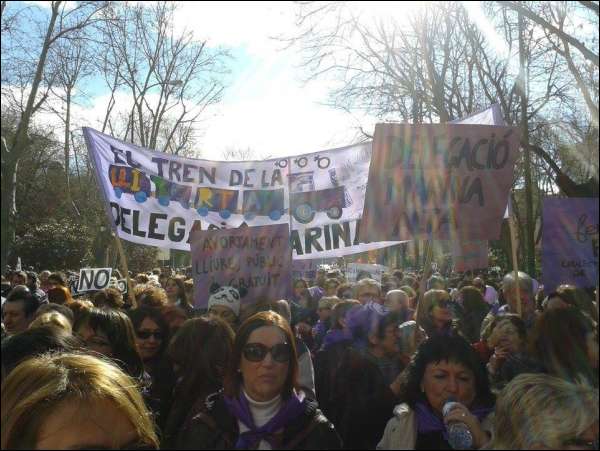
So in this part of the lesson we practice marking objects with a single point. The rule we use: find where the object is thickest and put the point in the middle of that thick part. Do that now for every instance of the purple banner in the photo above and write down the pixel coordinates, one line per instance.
(570, 243)
(255, 260)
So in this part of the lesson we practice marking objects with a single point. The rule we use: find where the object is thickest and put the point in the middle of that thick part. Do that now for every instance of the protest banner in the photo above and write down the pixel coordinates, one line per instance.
(92, 279)
(354, 271)
(469, 255)
(156, 199)
(255, 260)
(570, 243)
(441, 181)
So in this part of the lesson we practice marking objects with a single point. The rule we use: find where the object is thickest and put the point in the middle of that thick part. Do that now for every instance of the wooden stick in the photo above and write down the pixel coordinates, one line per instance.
(513, 246)
(124, 264)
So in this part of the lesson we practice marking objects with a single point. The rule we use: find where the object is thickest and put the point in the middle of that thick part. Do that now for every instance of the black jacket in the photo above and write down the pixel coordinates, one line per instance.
(215, 428)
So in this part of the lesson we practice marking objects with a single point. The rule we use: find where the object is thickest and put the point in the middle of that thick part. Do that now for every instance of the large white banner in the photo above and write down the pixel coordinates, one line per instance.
(156, 199)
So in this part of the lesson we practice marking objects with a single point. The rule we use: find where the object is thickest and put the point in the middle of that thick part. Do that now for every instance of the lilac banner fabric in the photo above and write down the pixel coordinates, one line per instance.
(255, 260)
(570, 243)
(438, 181)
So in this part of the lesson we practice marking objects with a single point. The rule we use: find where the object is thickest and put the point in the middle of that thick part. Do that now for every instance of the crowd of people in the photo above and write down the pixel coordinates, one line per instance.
(418, 360)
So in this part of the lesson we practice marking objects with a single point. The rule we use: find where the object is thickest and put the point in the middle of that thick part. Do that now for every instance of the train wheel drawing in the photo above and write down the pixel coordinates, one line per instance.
(335, 212)
(225, 214)
(140, 197)
(275, 215)
(249, 215)
(304, 213)
(164, 201)
(118, 192)
(202, 211)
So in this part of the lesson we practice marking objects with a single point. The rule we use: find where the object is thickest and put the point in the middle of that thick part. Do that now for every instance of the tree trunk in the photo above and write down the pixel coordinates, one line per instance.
(529, 219)
(10, 160)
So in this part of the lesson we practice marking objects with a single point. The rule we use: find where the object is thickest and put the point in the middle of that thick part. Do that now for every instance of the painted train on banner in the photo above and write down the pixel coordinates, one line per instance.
(305, 200)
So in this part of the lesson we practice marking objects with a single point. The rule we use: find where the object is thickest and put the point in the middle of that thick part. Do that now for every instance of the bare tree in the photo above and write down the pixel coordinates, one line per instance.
(62, 22)
(69, 62)
(172, 79)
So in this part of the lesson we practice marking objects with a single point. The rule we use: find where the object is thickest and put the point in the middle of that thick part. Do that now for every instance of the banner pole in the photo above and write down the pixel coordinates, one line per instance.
(513, 246)
(289, 168)
(124, 264)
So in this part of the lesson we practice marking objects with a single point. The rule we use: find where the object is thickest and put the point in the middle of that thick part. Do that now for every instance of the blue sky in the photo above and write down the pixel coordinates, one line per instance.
(266, 106)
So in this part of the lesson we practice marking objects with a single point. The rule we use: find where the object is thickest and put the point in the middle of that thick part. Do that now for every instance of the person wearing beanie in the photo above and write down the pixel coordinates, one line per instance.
(225, 303)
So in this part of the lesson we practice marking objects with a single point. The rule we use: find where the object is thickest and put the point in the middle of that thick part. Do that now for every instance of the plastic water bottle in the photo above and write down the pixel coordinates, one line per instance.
(459, 435)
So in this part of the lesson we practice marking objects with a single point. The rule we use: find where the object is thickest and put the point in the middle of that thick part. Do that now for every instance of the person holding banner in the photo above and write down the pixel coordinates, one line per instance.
(261, 406)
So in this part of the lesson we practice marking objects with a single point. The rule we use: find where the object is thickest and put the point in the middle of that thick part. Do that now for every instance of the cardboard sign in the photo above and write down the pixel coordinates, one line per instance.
(440, 181)
(570, 243)
(354, 270)
(93, 279)
(255, 260)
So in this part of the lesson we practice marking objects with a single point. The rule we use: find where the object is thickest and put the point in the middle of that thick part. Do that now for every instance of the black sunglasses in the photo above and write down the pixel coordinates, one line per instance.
(145, 334)
(256, 352)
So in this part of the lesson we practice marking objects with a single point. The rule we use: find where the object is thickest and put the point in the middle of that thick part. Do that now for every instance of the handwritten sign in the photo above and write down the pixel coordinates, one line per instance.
(255, 260)
(570, 242)
(442, 181)
(92, 279)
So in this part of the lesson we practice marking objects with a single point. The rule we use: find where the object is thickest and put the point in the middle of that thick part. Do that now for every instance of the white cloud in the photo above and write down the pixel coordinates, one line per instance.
(237, 24)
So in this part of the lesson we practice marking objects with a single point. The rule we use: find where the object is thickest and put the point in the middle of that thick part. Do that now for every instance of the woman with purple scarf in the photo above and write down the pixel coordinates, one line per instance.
(443, 369)
(261, 406)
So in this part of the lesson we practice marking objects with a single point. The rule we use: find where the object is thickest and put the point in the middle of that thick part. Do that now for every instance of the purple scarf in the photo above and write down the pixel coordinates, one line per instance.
(427, 421)
(334, 336)
(239, 408)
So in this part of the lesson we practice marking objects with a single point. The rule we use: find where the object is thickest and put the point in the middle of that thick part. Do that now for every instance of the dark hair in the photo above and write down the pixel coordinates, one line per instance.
(22, 293)
(559, 340)
(33, 342)
(108, 297)
(137, 317)
(202, 349)
(385, 321)
(118, 329)
(58, 277)
(181, 292)
(302, 281)
(62, 309)
(515, 319)
(452, 348)
(578, 298)
(59, 295)
(233, 378)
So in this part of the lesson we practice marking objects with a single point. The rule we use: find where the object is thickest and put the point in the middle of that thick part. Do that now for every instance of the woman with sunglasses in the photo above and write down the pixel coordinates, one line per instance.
(436, 315)
(151, 339)
(261, 405)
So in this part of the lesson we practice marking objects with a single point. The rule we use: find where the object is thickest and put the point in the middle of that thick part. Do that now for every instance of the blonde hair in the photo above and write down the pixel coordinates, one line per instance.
(36, 387)
(539, 409)
(53, 319)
